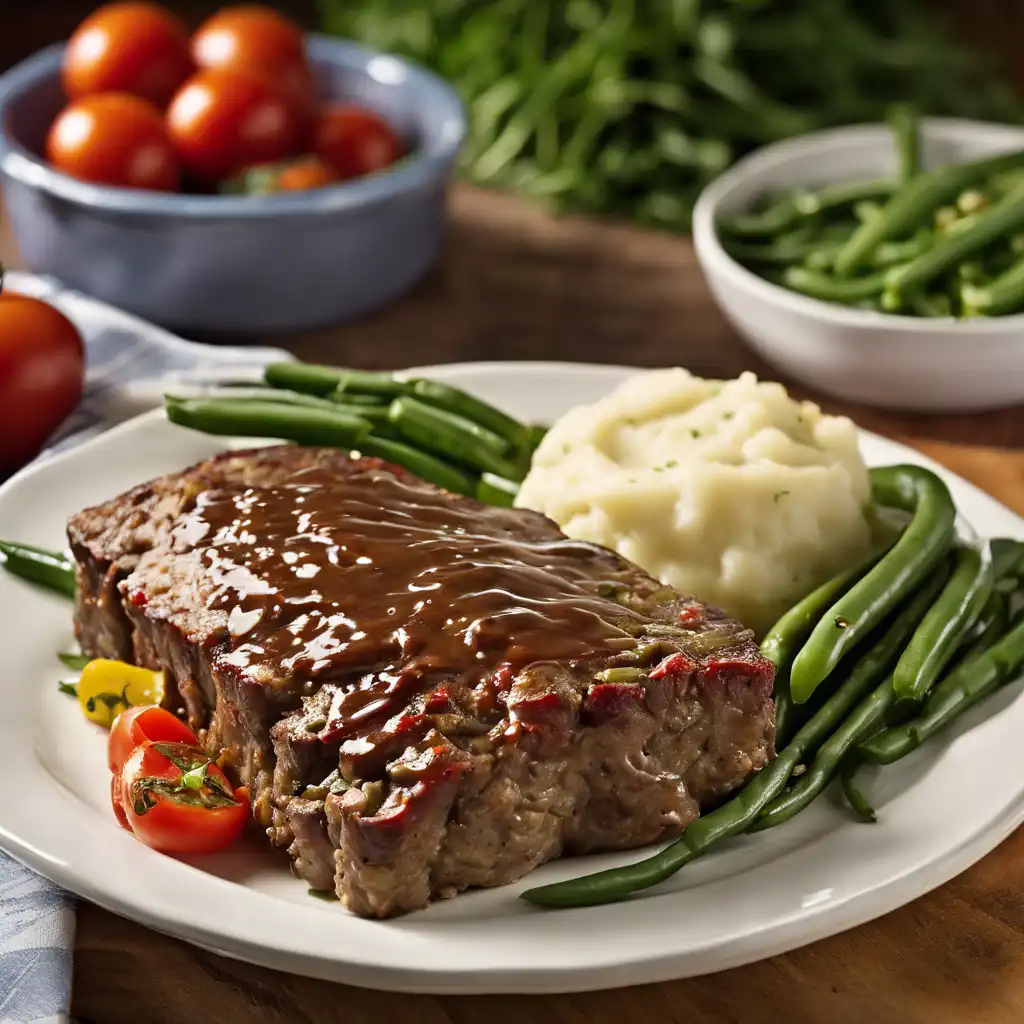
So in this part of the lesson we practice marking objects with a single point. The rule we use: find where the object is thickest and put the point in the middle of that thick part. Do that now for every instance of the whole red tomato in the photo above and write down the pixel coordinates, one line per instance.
(42, 368)
(355, 141)
(139, 48)
(259, 39)
(176, 800)
(140, 723)
(223, 120)
(114, 139)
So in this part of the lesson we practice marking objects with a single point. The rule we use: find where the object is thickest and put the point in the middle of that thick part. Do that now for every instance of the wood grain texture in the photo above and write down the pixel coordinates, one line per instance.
(515, 284)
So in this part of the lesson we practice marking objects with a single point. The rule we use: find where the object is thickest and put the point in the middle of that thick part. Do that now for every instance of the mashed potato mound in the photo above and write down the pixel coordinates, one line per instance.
(727, 490)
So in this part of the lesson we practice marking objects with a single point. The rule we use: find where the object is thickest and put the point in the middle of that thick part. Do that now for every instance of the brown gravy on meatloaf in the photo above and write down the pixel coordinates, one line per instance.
(322, 576)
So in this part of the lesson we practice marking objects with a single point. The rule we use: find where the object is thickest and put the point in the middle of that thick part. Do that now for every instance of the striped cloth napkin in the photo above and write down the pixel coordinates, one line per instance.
(130, 364)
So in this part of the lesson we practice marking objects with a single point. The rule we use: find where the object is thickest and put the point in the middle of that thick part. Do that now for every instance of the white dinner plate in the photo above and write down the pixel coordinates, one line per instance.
(940, 809)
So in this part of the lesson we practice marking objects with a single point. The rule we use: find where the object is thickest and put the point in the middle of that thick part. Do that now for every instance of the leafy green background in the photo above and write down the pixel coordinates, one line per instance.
(632, 106)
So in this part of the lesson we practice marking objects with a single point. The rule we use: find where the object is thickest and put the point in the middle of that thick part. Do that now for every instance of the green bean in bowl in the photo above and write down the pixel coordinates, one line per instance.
(882, 264)
(897, 244)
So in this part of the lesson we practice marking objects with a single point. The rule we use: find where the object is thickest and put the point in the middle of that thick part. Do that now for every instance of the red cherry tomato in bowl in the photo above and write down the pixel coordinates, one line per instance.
(223, 120)
(138, 724)
(139, 48)
(355, 141)
(42, 370)
(176, 800)
(114, 139)
(257, 38)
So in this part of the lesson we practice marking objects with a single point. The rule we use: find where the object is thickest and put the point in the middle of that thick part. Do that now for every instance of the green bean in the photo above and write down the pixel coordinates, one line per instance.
(988, 629)
(854, 797)
(536, 433)
(972, 681)
(904, 124)
(368, 382)
(258, 394)
(830, 289)
(889, 254)
(822, 258)
(912, 206)
(852, 706)
(49, 569)
(953, 614)
(1007, 556)
(350, 398)
(996, 298)
(1002, 219)
(425, 466)
(496, 490)
(375, 414)
(787, 211)
(782, 642)
(780, 252)
(307, 377)
(929, 305)
(304, 425)
(451, 436)
(459, 402)
(971, 272)
(924, 542)
(866, 210)
(773, 220)
(804, 243)
(843, 194)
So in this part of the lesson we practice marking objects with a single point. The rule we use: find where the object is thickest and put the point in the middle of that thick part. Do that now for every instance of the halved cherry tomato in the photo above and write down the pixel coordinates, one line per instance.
(138, 724)
(223, 120)
(114, 139)
(176, 800)
(260, 39)
(139, 48)
(355, 141)
(42, 371)
(117, 801)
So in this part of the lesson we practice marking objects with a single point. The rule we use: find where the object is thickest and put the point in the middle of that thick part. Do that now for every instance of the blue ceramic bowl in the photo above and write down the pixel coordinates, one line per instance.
(238, 264)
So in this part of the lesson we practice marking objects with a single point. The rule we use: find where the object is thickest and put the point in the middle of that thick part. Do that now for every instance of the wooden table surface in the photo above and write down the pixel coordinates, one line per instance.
(515, 284)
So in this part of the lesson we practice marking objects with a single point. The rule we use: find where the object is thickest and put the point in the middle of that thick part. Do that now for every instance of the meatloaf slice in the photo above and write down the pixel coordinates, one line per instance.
(424, 693)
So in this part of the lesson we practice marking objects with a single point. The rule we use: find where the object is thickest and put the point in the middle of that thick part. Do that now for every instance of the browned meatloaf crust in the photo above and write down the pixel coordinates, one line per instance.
(423, 693)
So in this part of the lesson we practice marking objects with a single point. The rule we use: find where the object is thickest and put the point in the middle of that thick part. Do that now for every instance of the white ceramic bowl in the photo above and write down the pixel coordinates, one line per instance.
(879, 359)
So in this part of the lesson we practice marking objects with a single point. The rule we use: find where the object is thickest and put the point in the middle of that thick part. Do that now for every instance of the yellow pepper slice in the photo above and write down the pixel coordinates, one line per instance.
(107, 687)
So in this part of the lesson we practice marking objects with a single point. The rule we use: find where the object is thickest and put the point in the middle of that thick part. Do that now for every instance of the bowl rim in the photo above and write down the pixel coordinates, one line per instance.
(715, 260)
(423, 167)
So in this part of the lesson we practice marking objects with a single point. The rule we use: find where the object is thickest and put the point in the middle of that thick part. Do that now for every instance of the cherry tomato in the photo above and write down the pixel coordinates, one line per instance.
(305, 173)
(117, 801)
(297, 175)
(355, 141)
(138, 724)
(138, 48)
(114, 139)
(176, 800)
(223, 120)
(260, 39)
(42, 369)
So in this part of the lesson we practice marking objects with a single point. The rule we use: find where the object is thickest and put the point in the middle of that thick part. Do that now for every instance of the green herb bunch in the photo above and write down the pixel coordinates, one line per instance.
(630, 107)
